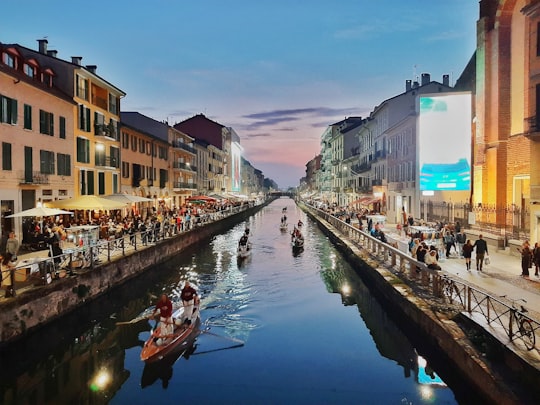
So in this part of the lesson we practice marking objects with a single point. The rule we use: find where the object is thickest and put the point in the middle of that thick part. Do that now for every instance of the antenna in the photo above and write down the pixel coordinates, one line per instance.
(415, 77)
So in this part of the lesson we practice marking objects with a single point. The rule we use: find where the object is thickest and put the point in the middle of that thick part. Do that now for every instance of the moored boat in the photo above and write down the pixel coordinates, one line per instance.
(158, 346)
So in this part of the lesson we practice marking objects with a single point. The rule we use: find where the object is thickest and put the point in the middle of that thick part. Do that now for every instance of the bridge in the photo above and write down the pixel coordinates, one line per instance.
(278, 194)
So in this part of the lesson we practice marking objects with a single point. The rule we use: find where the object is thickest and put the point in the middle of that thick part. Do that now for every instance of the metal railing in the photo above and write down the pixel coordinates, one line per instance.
(40, 271)
(488, 311)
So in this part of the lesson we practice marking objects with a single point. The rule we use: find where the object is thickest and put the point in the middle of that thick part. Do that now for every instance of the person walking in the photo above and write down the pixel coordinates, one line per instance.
(481, 251)
(467, 253)
(526, 258)
(12, 245)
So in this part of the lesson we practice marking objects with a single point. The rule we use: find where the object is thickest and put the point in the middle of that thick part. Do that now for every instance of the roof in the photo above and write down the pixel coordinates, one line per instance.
(147, 125)
(201, 127)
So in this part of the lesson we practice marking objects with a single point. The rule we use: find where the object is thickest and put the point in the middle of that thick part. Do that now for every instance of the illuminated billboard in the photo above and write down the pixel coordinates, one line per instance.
(236, 174)
(444, 142)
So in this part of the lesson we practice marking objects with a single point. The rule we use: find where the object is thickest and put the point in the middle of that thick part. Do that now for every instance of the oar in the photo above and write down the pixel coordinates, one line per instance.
(134, 320)
(240, 342)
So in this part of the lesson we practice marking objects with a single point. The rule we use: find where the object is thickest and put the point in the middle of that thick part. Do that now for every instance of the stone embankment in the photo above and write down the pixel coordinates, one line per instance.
(426, 316)
(42, 304)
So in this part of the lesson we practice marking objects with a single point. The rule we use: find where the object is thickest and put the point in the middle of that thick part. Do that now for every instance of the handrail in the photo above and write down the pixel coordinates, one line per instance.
(493, 310)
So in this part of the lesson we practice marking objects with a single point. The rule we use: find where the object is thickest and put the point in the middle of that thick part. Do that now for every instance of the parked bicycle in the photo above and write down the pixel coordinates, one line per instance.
(525, 329)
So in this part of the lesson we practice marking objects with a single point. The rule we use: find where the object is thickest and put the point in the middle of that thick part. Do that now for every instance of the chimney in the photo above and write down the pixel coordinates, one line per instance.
(91, 68)
(415, 85)
(43, 46)
(446, 80)
(52, 53)
(76, 60)
(408, 85)
(426, 79)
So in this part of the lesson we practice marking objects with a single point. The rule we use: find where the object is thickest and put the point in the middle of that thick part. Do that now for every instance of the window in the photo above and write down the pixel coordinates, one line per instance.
(112, 129)
(149, 148)
(6, 156)
(62, 124)
(46, 123)
(163, 178)
(125, 140)
(47, 79)
(82, 181)
(8, 110)
(46, 162)
(84, 118)
(141, 145)
(27, 116)
(100, 159)
(99, 124)
(101, 183)
(29, 70)
(90, 182)
(125, 170)
(538, 39)
(133, 143)
(83, 150)
(63, 164)
(113, 104)
(82, 87)
(8, 60)
(115, 156)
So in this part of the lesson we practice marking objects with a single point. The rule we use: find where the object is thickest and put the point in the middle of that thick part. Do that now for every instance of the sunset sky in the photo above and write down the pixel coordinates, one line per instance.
(277, 71)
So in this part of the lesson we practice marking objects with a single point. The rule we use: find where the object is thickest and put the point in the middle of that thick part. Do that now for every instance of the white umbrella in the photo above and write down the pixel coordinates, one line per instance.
(39, 212)
(87, 202)
(126, 198)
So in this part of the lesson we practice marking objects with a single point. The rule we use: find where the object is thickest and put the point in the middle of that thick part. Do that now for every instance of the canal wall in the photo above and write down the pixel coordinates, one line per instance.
(41, 305)
(438, 329)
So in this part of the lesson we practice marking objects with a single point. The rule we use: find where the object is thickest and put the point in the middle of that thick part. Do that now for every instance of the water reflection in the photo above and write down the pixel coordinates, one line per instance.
(274, 302)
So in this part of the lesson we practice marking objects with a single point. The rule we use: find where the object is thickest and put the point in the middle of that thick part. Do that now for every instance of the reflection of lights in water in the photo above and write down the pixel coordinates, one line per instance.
(426, 392)
(346, 289)
(101, 380)
(333, 261)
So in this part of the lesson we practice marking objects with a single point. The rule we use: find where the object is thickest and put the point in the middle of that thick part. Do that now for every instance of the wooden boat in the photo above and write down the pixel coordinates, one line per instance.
(297, 242)
(283, 226)
(157, 347)
(244, 250)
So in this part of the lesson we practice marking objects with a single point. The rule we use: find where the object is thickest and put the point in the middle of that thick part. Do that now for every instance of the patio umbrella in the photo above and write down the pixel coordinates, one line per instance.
(87, 202)
(126, 198)
(39, 212)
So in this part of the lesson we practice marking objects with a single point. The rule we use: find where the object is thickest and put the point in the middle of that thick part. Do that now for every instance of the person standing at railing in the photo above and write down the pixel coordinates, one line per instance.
(7, 266)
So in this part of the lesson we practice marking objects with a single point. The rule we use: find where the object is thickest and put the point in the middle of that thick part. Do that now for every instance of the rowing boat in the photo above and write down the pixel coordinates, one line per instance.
(157, 346)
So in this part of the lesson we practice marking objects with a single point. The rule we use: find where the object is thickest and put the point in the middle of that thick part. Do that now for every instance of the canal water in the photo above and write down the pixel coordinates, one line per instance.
(280, 327)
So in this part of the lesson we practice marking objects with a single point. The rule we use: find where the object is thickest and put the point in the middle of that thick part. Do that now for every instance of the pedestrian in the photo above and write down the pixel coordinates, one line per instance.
(467, 253)
(461, 238)
(536, 258)
(481, 251)
(526, 258)
(12, 245)
(431, 260)
(7, 265)
(448, 242)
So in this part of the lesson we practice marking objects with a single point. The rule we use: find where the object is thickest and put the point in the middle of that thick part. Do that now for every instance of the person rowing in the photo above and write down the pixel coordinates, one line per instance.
(190, 300)
(164, 307)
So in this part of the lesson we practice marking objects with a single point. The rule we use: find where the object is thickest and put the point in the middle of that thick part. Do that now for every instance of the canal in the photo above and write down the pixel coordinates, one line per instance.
(312, 333)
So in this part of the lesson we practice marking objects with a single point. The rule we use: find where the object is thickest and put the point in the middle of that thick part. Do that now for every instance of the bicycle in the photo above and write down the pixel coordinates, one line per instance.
(525, 328)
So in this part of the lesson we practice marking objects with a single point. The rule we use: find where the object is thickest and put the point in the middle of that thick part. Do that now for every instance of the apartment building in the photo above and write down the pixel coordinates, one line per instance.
(36, 133)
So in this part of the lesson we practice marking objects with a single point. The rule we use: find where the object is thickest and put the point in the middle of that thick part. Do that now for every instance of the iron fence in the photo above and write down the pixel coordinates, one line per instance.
(510, 221)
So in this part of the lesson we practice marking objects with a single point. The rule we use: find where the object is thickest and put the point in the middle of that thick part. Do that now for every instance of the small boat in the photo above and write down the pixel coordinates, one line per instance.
(297, 242)
(244, 250)
(283, 226)
(157, 347)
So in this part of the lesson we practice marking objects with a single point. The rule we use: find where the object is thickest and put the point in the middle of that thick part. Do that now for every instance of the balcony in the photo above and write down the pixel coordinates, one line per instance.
(376, 182)
(183, 146)
(178, 185)
(184, 166)
(107, 161)
(107, 131)
(33, 178)
(361, 168)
